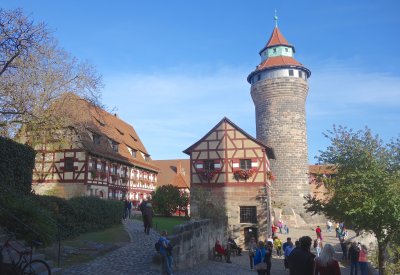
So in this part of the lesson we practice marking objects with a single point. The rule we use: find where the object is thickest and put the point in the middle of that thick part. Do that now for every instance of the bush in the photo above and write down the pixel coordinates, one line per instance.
(16, 165)
(82, 214)
(23, 215)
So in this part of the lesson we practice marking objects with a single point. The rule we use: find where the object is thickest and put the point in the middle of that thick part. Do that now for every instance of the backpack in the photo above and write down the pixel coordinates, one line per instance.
(157, 246)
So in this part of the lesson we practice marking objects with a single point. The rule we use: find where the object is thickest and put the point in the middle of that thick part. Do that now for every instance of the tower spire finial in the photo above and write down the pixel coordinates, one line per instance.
(276, 19)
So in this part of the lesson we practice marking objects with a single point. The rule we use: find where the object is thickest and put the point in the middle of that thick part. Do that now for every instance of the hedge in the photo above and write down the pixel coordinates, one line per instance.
(16, 165)
(82, 214)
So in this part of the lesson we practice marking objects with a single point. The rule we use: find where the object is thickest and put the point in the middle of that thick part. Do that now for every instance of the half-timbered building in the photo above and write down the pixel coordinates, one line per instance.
(236, 168)
(103, 157)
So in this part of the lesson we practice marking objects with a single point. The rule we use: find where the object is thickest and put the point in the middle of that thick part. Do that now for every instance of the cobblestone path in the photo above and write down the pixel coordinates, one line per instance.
(136, 257)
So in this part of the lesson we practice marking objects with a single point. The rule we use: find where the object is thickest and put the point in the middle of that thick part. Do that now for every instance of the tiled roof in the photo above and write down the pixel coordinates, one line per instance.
(277, 39)
(86, 118)
(174, 171)
(278, 61)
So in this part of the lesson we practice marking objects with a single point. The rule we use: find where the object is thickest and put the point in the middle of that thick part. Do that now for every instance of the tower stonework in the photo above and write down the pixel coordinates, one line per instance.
(279, 90)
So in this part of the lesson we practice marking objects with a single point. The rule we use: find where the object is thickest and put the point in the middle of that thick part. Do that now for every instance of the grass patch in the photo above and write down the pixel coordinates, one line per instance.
(165, 223)
(88, 246)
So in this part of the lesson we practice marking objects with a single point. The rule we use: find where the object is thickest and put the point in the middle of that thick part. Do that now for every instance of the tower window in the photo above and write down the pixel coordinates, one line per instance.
(258, 77)
(274, 50)
(291, 73)
(286, 50)
(248, 214)
(300, 74)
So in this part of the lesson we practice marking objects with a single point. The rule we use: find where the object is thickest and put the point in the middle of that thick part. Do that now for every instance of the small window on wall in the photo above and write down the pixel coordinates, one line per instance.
(248, 214)
(69, 164)
(286, 50)
(96, 138)
(300, 74)
(291, 73)
(208, 165)
(258, 77)
(245, 164)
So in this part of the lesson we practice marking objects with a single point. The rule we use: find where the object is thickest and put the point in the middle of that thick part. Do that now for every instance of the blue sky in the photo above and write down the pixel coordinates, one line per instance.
(173, 69)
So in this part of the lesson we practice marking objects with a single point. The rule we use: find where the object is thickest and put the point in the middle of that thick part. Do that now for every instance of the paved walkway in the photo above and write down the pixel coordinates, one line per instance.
(136, 257)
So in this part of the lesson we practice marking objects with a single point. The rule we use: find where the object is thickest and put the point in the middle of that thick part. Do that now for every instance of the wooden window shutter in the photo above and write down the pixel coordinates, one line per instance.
(235, 165)
(199, 165)
(218, 164)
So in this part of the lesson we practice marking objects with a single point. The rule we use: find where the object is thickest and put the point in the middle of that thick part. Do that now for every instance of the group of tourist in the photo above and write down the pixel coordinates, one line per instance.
(299, 259)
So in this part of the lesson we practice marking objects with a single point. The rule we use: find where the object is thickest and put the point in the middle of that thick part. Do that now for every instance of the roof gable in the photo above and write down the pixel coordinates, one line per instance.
(269, 150)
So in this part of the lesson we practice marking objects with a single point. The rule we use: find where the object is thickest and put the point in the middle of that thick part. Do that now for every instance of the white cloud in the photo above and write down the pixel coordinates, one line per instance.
(173, 108)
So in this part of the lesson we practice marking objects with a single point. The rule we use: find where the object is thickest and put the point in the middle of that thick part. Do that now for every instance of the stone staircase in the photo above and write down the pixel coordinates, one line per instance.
(6, 256)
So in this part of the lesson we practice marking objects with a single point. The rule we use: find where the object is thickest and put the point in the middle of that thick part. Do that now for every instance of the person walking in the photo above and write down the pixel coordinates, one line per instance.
(166, 251)
(354, 253)
(129, 209)
(301, 260)
(363, 260)
(142, 208)
(328, 226)
(148, 213)
(252, 247)
(278, 246)
(259, 257)
(325, 264)
(318, 246)
(318, 231)
(343, 246)
(268, 256)
(287, 249)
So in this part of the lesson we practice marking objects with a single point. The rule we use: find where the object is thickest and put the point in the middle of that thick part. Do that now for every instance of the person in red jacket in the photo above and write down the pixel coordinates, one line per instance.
(319, 232)
(325, 264)
(220, 250)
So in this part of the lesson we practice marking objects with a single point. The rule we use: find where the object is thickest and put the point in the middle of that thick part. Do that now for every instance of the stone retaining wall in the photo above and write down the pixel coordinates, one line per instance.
(193, 242)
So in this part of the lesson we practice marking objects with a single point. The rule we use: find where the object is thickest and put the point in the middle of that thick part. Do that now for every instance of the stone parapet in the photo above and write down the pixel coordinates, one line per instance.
(194, 241)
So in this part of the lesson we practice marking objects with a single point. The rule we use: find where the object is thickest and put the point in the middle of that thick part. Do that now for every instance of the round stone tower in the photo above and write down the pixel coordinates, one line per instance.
(279, 90)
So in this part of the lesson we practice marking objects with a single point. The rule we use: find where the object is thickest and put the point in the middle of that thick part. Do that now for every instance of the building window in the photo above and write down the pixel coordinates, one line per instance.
(68, 164)
(96, 138)
(94, 164)
(245, 164)
(133, 153)
(114, 170)
(286, 50)
(258, 77)
(208, 165)
(114, 145)
(300, 74)
(248, 214)
(274, 50)
(103, 167)
(291, 73)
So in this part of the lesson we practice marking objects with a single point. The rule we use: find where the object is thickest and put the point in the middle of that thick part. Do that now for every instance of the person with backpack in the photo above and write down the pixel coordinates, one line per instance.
(164, 247)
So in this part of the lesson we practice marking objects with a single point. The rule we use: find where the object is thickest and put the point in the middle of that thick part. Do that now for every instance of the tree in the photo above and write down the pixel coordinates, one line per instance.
(34, 73)
(364, 191)
(166, 199)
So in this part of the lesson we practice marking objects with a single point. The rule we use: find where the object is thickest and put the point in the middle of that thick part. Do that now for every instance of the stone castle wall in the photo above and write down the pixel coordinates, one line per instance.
(281, 123)
(194, 242)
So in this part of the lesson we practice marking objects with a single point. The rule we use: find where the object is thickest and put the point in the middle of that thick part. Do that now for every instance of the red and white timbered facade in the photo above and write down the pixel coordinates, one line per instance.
(106, 159)
(235, 167)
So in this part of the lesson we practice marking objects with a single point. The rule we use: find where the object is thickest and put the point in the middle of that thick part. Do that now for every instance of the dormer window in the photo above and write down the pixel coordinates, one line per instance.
(291, 73)
(274, 50)
(114, 145)
(300, 74)
(286, 49)
(132, 152)
(96, 138)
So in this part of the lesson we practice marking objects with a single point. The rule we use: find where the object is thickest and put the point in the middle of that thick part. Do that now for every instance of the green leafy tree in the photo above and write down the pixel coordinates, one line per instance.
(364, 193)
(166, 199)
(184, 202)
